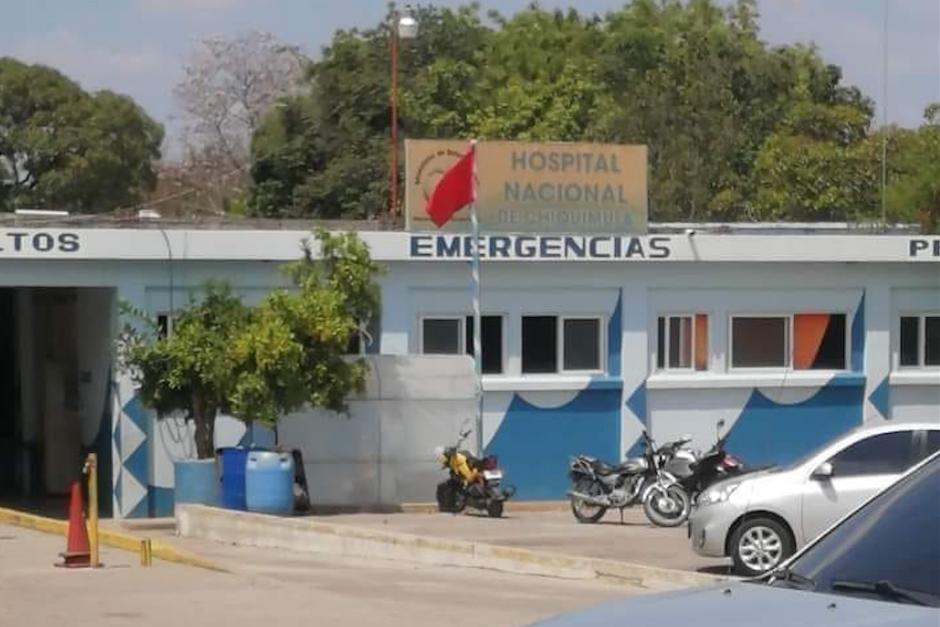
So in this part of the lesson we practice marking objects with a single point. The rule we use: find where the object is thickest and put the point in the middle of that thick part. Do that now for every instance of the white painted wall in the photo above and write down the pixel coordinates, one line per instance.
(412, 288)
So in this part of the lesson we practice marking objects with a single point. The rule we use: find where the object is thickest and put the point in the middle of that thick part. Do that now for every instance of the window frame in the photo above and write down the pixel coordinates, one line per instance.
(504, 345)
(364, 345)
(847, 338)
(790, 347)
(461, 331)
(601, 343)
(911, 454)
(560, 319)
(170, 320)
(921, 365)
(668, 336)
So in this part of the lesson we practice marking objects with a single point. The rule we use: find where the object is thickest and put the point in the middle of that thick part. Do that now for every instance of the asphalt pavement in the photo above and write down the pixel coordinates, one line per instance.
(269, 587)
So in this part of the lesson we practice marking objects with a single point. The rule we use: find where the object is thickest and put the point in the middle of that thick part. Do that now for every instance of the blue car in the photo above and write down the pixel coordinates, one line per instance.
(880, 565)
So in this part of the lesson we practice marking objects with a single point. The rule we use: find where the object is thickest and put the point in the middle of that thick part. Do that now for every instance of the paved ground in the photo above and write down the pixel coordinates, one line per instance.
(557, 531)
(270, 588)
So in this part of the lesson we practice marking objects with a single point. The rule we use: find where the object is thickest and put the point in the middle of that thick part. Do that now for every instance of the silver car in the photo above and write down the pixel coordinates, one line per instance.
(760, 519)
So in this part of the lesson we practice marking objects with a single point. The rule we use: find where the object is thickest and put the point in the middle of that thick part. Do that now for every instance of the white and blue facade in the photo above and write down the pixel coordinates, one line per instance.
(623, 284)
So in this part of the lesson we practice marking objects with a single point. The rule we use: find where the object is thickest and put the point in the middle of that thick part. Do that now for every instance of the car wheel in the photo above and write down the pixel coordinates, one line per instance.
(759, 545)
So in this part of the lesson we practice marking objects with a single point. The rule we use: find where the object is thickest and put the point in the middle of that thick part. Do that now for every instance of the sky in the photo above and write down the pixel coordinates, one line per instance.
(138, 47)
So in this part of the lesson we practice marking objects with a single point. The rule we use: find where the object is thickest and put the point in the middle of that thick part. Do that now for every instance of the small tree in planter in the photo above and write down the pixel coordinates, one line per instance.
(187, 371)
(258, 363)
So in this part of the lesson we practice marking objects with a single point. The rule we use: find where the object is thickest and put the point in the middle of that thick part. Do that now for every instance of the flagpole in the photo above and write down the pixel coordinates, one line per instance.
(477, 297)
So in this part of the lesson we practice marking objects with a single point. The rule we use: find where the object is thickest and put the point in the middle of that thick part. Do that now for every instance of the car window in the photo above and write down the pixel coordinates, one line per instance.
(885, 453)
(895, 538)
(933, 443)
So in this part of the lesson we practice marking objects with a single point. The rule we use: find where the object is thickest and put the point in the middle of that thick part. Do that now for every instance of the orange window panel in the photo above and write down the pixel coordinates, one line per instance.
(701, 341)
(808, 332)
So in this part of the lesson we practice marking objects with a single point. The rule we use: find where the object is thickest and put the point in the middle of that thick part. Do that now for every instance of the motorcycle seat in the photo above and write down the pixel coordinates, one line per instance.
(629, 465)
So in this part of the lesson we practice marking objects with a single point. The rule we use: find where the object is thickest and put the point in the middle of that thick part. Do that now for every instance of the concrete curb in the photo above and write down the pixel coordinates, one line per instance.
(303, 534)
(431, 508)
(108, 537)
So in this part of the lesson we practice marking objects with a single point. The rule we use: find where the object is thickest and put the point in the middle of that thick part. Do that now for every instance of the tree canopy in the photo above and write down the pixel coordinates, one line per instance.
(736, 129)
(64, 148)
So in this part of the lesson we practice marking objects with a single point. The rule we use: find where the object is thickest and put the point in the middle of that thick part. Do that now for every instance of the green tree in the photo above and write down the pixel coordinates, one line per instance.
(730, 123)
(818, 166)
(63, 148)
(258, 363)
(326, 154)
(913, 193)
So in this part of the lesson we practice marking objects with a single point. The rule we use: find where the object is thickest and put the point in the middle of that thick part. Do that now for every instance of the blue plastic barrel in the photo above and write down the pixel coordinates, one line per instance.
(234, 459)
(269, 482)
(196, 481)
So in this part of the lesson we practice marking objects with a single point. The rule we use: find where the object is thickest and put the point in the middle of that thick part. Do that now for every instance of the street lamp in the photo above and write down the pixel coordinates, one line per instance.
(402, 26)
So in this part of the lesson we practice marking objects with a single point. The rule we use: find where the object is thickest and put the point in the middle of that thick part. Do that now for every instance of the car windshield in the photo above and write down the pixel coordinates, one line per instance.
(887, 550)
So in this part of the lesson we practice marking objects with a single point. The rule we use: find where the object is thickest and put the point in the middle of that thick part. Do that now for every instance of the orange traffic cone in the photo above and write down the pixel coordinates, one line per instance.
(77, 552)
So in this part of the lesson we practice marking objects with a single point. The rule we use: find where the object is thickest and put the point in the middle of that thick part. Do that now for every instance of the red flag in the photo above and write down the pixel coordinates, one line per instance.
(453, 192)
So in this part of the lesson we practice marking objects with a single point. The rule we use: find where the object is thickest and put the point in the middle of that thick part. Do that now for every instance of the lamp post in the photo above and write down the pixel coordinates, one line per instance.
(402, 26)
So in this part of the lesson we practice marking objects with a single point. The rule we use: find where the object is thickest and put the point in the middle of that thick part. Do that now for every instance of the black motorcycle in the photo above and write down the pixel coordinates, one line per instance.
(714, 466)
(597, 486)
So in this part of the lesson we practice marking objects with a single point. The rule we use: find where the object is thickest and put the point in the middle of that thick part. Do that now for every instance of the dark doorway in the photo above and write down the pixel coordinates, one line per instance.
(55, 393)
(9, 392)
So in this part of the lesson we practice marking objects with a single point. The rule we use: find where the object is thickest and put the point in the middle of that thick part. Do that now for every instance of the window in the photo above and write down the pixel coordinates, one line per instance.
(582, 347)
(364, 341)
(807, 341)
(539, 344)
(454, 336)
(919, 341)
(491, 343)
(441, 336)
(579, 338)
(355, 343)
(884, 454)
(164, 325)
(933, 442)
(682, 342)
(760, 342)
(926, 444)
(819, 341)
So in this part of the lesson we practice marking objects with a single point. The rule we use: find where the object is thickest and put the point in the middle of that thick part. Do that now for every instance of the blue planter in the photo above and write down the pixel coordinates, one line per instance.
(234, 459)
(269, 482)
(196, 481)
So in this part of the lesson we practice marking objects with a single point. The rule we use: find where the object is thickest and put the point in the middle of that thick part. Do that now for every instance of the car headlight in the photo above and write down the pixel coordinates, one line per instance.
(718, 494)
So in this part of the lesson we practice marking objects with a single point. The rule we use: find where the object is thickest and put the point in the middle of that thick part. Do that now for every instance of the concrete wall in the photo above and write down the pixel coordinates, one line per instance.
(381, 452)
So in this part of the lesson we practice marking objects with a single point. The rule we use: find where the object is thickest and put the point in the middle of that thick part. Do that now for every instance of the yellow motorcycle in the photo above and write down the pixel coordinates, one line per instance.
(472, 481)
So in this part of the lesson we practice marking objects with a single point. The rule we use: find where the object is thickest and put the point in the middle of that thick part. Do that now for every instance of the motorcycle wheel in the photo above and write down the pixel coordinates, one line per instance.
(667, 509)
(495, 509)
(447, 497)
(585, 512)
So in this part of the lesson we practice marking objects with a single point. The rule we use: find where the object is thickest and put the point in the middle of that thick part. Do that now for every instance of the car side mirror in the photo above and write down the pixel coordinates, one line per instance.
(823, 471)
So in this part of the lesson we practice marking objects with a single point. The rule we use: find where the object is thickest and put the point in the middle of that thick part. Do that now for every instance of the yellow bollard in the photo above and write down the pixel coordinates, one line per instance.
(146, 552)
(91, 469)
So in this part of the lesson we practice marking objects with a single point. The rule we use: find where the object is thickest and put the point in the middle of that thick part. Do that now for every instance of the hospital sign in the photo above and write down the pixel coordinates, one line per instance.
(535, 187)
